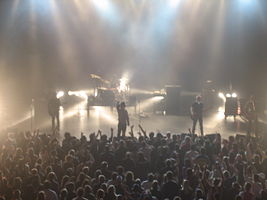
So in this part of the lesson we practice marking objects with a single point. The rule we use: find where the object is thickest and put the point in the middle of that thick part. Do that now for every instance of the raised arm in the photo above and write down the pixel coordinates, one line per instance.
(142, 130)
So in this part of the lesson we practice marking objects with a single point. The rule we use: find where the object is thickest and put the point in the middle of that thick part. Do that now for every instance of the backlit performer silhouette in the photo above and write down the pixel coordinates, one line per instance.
(197, 114)
(53, 110)
(123, 119)
(251, 115)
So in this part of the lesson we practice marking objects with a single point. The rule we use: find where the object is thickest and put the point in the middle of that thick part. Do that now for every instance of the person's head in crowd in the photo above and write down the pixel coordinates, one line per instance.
(189, 173)
(198, 98)
(52, 176)
(186, 185)
(71, 152)
(151, 135)
(17, 194)
(226, 160)
(63, 193)
(247, 187)
(216, 182)
(98, 173)
(129, 176)
(236, 186)
(155, 185)
(120, 170)
(119, 180)
(85, 170)
(238, 158)
(104, 187)
(226, 174)
(17, 183)
(100, 194)
(141, 156)
(150, 177)
(256, 178)
(104, 165)
(101, 179)
(159, 136)
(81, 176)
(168, 163)
(41, 195)
(257, 159)
(187, 140)
(80, 192)
(136, 188)
(169, 175)
(238, 197)
(47, 185)
(70, 186)
(128, 155)
(111, 189)
(138, 181)
(88, 189)
(86, 182)
(64, 180)
(114, 176)
(121, 197)
(67, 136)
(199, 194)
(70, 172)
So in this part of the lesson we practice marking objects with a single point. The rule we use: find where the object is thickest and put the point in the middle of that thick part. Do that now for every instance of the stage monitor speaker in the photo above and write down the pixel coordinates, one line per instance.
(173, 99)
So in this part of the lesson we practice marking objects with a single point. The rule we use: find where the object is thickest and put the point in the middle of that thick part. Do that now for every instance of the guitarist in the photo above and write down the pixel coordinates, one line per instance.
(196, 112)
(251, 115)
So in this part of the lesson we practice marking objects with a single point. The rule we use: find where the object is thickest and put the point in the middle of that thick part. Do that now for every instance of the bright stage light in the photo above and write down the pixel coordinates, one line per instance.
(228, 95)
(124, 86)
(101, 4)
(60, 94)
(106, 9)
(174, 3)
(81, 94)
(157, 98)
(234, 95)
(221, 95)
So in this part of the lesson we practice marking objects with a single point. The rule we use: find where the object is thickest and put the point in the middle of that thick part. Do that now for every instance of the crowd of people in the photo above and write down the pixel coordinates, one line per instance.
(139, 166)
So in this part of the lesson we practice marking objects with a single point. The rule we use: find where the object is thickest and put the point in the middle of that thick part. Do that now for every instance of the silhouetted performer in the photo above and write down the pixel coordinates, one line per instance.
(53, 110)
(251, 114)
(197, 114)
(123, 118)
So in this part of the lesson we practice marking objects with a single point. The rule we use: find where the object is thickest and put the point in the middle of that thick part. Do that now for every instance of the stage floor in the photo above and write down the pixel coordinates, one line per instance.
(75, 121)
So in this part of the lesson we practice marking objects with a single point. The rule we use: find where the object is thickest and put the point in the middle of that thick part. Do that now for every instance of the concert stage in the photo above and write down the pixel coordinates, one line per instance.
(76, 120)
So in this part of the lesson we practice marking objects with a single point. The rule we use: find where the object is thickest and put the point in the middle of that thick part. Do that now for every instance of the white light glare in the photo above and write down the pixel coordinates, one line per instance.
(174, 3)
(60, 94)
(81, 94)
(123, 87)
(221, 95)
(157, 98)
(234, 95)
(228, 95)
